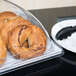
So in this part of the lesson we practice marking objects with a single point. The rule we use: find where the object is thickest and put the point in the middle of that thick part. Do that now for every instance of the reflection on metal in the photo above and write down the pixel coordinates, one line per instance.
(68, 61)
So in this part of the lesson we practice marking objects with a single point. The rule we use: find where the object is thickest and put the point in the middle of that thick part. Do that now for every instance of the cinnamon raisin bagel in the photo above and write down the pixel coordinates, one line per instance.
(3, 51)
(10, 25)
(35, 37)
(6, 16)
(22, 38)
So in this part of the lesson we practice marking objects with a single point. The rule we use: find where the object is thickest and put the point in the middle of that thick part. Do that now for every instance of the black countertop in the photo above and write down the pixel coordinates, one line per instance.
(64, 65)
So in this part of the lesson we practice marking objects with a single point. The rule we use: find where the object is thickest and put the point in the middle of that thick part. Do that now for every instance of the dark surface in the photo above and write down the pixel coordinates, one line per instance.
(65, 65)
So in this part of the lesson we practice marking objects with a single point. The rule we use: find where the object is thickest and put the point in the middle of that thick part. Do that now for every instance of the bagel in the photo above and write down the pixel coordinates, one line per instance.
(22, 38)
(10, 25)
(6, 16)
(36, 41)
(3, 51)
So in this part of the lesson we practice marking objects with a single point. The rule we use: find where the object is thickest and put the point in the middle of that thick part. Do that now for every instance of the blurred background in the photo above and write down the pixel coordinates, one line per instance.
(42, 4)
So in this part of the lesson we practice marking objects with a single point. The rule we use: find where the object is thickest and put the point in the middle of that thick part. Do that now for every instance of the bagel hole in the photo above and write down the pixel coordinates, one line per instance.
(25, 44)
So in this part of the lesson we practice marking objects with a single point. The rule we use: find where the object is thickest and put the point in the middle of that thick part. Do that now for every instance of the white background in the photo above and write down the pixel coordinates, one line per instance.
(42, 4)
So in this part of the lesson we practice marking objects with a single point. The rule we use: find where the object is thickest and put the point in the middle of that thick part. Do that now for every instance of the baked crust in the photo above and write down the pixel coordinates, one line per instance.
(5, 17)
(22, 38)
(10, 25)
(3, 51)
(36, 41)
